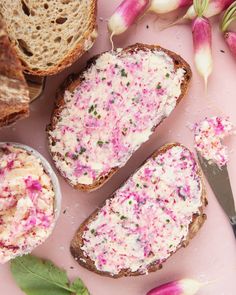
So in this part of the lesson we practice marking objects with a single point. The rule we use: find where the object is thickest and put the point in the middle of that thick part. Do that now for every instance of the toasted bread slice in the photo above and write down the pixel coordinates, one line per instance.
(14, 94)
(105, 114)
(49, 35)
(156, 212)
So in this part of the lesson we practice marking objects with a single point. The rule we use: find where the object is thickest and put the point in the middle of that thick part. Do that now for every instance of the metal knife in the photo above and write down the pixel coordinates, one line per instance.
(218, 179)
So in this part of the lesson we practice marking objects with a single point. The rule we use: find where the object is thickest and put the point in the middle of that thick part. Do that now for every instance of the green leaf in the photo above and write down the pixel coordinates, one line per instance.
(79, 287)
(36, 276)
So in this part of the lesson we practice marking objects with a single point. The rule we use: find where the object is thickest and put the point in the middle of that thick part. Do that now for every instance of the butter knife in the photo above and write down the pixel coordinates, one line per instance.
(218, 179)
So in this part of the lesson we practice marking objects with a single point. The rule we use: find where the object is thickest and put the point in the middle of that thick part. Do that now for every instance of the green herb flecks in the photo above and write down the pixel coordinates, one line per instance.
(75, 156)
(82, 150)
(123, 217)
(159, 85)
(100, 143)
(123, 73)
(91, 109)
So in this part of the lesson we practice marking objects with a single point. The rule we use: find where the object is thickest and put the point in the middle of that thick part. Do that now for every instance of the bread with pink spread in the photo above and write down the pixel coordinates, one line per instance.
(152, 215)
(107, 112)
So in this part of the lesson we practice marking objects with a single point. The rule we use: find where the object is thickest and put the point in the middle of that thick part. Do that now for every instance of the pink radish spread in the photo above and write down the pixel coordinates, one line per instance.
(208, 136)
(148, 217)
(26, 202)
(112, 112)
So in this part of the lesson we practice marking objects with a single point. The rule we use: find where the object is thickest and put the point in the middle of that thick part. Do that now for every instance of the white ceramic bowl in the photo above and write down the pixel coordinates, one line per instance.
(55, 183)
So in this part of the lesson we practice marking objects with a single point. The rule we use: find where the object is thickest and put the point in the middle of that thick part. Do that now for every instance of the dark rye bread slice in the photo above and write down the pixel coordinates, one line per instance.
(198, 220)
(74, 81)
(49, 36)
(14, 94)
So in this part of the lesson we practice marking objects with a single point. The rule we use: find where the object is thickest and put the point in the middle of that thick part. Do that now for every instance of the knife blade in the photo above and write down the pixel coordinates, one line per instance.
(219, 181)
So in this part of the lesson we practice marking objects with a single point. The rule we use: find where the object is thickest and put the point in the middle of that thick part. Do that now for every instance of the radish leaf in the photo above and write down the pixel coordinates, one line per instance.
(79, 287)
(36, 276)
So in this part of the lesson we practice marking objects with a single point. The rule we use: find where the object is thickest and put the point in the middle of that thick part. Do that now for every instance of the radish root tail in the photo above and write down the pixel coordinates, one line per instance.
(112, 42)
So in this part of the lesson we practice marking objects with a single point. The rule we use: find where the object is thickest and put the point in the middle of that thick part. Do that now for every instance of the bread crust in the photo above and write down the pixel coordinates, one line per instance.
(73, 81)
(12, 77)
(197, 222)
(89, 36)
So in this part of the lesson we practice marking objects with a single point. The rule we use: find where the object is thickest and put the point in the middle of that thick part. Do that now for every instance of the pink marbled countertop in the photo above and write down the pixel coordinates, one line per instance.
(212, 254)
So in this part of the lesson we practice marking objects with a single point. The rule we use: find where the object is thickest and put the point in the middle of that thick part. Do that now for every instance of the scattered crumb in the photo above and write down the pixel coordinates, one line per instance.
(222, 51)
(71, 267)
(101, 19)
(64, 212)
(147, 26)
(190, 126)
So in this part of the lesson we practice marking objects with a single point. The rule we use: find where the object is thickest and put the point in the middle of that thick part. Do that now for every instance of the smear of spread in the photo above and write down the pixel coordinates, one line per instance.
(122, 97)
(148, 217)
(26, 202)
(208, 136)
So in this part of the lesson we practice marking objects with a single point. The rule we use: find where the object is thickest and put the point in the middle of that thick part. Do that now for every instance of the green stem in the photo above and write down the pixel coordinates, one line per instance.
(229, 17)
(200, 6)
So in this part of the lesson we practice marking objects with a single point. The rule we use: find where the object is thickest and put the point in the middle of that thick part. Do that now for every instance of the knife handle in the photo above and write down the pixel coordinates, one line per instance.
(234, 228)
(233, 223)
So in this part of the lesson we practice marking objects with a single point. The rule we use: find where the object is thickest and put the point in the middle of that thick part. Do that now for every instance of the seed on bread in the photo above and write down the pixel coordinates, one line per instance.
(49, 36)
(113, 107)
(153, 214)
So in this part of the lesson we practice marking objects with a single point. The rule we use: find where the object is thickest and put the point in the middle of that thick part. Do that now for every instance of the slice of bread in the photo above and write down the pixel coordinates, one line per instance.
(158, 210)
(103, 115)
(49, 35)
(14, 94)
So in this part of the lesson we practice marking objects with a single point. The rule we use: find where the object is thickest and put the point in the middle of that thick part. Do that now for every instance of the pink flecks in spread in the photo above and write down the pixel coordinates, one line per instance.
(112, 112)
(26, 202)
(149, 215)
(208, 136)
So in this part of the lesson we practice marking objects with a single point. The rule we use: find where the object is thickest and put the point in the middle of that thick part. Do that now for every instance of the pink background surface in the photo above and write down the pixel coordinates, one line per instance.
(212, 254)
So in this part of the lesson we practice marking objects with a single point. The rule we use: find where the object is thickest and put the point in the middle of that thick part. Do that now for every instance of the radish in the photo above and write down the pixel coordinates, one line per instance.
(181, 287)
(202, 40)
(230, 37)
(215, 7)
(165, 6)
(125, 15)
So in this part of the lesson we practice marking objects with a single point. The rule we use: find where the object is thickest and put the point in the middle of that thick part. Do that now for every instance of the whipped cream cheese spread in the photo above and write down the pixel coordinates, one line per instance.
(148, 217)
(208, 136)
(26, 202)
(119, 101)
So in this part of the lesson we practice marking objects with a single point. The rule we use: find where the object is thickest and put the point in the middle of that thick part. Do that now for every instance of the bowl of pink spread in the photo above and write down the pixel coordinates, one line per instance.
(30, 200)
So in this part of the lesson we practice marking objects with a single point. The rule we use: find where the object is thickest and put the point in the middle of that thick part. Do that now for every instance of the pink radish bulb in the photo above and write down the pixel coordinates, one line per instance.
(202, 41)
(215, 7)
(228, 18)
(181, 287)
(125, 15)
(230, 39)
(165, 6)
